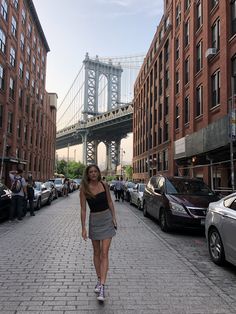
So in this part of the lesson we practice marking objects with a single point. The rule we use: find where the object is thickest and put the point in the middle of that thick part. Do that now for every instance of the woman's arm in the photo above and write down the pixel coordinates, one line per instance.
(110, 203)
(83, 213)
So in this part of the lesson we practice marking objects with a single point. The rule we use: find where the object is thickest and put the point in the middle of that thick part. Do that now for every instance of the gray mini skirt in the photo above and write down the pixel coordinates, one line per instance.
(101, 225)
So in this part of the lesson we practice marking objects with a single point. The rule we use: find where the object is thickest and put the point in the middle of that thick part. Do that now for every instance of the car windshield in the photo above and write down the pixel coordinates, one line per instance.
(58, 181)
(187, 187)
(130, 185)
(141, 187)
(37, 185)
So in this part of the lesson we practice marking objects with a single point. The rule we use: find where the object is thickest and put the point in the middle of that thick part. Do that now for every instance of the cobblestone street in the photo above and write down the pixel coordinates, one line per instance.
(46, 267)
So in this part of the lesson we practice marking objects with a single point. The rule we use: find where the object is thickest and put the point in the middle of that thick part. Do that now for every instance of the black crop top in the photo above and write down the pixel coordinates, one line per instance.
(99, 202)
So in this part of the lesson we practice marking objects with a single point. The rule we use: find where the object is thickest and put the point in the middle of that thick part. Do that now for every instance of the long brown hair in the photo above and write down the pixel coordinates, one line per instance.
(85, 180)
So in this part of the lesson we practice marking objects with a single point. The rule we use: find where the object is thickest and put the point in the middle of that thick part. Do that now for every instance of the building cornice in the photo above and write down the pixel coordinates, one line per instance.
(37, 23)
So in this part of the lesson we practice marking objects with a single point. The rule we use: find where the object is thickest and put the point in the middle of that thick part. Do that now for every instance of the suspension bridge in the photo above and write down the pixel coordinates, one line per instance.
(98, 107)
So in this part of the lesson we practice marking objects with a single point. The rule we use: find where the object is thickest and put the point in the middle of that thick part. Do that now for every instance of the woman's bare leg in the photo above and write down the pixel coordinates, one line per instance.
(104, 264)
(96, 257)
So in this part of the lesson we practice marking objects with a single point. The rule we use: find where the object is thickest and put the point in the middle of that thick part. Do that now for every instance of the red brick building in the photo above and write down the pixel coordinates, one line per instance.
(183, 94)
(27, 111)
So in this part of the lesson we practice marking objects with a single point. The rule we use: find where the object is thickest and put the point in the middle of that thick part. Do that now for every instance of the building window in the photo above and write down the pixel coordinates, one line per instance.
(4, 9)
(28, 53)
(199, 14)
(34, 63)
(166, 131)
(215, 31)
(20, 99)
(215, 86)
(22, 42)
(178, 14)
(233, 16)
(234, 72)
(166, 108)
(21, 70)
(187, 4)
(23, 15)
(186, 33)
(177, 48)
(12, 88)
(160, 87)
(19, 128)
(165, 159)
(160, 112)
(15, 4)
(177, 81)
(177, 116)
(186, 70)
(2, 41)
(27, 78)
(10, 122)
(214, 3)
(12, 57)
(1, 115)
(166, 50)
(29, 30)
(33, 86)
(13, 26)
(186, 110)
(2, 77)
(199, 101)
(167, 78)
(34, 42)
(199, 57)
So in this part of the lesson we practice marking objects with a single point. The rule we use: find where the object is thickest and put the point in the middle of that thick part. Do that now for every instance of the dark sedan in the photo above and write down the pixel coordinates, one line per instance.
(5, 201)
(177, 201)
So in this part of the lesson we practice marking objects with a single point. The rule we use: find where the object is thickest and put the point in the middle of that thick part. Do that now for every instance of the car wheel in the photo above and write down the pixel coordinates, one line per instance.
(49, 200)
(139, 205)
(38, 206)
(216, 248)
(127, 197)
(145, 212)
(163, 220)
(130, 200)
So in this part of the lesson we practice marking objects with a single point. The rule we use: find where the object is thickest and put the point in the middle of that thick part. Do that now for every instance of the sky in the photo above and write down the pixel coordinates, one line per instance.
(99, 27)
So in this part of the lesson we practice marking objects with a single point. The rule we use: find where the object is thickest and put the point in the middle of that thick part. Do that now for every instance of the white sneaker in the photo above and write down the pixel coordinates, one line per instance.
(101, 296)
(97, 287)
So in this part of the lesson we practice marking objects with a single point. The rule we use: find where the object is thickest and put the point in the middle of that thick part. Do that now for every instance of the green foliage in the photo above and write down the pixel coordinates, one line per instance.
(72, 170)
(128, 172)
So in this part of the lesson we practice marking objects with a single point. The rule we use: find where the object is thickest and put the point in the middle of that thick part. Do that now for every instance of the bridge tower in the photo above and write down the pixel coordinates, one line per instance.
(93, 70)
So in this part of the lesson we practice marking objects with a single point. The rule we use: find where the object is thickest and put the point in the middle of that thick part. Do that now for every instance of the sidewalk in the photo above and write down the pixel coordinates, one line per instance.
(46, 267)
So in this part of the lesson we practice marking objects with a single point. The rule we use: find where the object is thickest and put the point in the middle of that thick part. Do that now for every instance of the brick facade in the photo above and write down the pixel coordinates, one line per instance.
(27, 111)
(183, 93)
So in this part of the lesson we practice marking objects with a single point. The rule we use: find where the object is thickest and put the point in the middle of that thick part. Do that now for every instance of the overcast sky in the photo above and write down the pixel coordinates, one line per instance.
(99, 27)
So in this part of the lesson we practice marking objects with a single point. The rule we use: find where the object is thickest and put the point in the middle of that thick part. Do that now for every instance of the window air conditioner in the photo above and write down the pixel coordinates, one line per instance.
(210, 52)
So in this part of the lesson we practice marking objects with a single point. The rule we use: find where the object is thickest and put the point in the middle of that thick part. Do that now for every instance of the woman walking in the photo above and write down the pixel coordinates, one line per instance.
(102, 222)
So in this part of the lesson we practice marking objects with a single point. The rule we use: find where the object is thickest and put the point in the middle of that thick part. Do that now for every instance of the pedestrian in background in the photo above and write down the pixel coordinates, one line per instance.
(118, 189)
(102, 222)
(19, 193)
(30, 193)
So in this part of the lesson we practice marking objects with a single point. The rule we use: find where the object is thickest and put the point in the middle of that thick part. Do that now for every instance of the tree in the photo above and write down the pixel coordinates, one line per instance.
(73, 169)
(129, 172)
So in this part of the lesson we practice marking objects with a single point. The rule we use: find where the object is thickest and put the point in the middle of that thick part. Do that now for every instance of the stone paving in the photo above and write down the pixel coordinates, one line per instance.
(46, 267)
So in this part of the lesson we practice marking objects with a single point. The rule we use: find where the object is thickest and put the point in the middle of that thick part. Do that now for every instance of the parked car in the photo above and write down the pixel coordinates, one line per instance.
(5, 201)
(51, 186)
(136, 195)
(220, 228)
(177, 201)
(42, 195)
(59, 184)
(112, 184)
(77, 183)
(128, 187)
